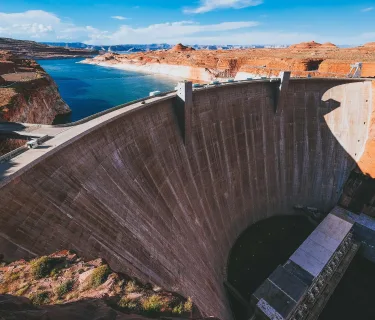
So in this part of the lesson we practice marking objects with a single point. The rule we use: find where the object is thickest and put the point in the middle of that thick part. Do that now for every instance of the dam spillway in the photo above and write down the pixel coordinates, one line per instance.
(167, 207)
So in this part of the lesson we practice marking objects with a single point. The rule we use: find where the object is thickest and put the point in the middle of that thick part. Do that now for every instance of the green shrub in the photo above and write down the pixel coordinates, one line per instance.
(22, 290)
(131, 286)
(99, 276)
(188, 306)
(39, 298)
(13, 276)
(4, 288)
(55, 273)
(43, 266)
(73, 295)
(128, 304)
(153, 305)
(64, 288)
(179, 309)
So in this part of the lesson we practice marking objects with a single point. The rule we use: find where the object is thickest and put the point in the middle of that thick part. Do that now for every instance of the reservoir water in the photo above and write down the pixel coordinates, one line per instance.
(89, 89)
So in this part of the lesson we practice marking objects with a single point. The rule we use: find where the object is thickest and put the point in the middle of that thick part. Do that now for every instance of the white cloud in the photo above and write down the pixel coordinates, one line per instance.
(32, 23)
(45, 26)
(119, 17)
(169, 32)
(250, 37)
(225, 33)
(209, 5)
(367, 9)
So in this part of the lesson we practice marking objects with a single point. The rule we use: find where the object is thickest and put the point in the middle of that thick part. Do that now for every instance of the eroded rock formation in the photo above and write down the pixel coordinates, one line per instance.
(180, 47)
(308, 58)
(27, 93)
(35, 50)
(306, 45)
(369, 44)
(64, 286)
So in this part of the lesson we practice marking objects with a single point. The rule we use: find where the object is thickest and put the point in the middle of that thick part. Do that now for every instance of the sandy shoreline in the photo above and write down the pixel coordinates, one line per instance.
(178, 71)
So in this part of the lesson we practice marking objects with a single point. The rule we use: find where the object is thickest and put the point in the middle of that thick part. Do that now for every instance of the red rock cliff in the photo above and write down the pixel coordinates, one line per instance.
(315, 59)
(27, 93)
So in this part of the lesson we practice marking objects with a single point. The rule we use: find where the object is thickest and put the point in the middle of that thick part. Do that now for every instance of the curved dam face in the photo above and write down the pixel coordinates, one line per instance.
(127, 188)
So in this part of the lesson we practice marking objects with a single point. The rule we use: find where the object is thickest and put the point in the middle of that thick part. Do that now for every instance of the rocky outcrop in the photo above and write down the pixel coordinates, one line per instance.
(369, 44)
(359, 193)
(20, 308)
(63, 286)
(312, 45)
(328, 45)
(307, 58)
(305, 45)
(27, 93)
(180, 48)
(35, 50)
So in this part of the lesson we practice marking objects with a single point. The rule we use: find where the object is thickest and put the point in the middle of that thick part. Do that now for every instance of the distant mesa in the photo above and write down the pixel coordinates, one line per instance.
(35, 50)
(180, 47)
(313, 45)
(369, 44)
(306, 45)
(328, 45)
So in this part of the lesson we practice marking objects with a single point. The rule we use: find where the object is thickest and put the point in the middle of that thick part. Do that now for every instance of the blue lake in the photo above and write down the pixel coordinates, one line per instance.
(89, 89)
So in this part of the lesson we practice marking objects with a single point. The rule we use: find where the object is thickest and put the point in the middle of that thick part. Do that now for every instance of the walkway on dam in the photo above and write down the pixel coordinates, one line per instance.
(60, 135)
(27, 131)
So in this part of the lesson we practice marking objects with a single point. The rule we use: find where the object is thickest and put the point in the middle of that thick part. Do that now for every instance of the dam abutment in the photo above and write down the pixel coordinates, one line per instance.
(183, 109)
(127, 187)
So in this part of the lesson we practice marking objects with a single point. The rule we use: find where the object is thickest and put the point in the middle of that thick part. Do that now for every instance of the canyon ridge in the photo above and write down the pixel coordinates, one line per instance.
(303, 59)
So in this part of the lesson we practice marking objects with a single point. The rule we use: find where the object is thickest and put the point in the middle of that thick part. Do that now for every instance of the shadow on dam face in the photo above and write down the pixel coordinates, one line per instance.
(129, 190)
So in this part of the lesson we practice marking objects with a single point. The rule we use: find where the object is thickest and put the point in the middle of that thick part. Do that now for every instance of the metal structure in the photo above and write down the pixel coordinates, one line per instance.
(355, 70)
(299, 289)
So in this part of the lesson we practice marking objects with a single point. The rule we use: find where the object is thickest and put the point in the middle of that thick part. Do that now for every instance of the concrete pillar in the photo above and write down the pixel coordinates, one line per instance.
(183, 109)
(282, 91)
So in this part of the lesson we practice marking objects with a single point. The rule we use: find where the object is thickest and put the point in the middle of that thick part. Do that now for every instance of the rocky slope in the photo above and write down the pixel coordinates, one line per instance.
(308, 58)
(34, 50)
(63, 286)
(180, 48)
(27, 93)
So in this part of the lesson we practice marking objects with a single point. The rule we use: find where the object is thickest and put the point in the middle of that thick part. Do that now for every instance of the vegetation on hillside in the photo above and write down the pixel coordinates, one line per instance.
(63, 277)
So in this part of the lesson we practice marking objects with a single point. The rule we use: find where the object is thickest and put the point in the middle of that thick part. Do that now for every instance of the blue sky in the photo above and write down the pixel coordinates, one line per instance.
(189, 21)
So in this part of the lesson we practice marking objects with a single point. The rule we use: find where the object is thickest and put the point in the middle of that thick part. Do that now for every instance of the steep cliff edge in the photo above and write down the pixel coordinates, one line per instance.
(35, 50)
(307, 58)
(27, 93)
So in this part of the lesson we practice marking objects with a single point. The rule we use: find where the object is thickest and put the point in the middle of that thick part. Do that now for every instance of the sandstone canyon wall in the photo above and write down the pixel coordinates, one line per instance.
(27, 93)
(128, 189)
(34, 50)
(311, 58)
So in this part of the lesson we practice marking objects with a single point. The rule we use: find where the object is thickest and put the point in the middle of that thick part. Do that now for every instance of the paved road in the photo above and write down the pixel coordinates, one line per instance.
(25, 131)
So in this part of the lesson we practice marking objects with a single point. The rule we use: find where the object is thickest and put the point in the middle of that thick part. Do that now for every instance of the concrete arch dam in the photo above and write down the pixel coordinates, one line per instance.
(164, 199)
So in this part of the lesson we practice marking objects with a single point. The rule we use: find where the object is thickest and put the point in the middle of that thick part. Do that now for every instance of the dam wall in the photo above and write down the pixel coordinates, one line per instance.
(130, 190)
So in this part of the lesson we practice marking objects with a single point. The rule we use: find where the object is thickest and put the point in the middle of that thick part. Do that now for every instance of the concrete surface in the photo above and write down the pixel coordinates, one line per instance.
(125, 187)
(320, 255)
(25, 130)
(315, 252)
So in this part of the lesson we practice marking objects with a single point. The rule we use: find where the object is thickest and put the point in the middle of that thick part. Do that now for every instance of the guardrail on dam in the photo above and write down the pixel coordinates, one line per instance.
(128, 188)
